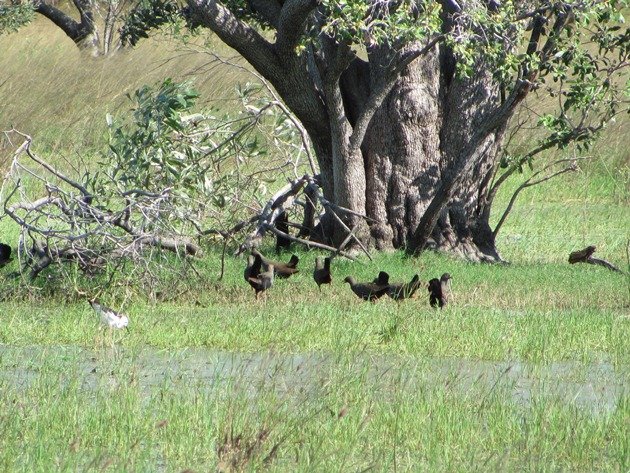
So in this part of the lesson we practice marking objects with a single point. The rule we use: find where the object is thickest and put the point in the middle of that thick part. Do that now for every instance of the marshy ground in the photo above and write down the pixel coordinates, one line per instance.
(527, 369)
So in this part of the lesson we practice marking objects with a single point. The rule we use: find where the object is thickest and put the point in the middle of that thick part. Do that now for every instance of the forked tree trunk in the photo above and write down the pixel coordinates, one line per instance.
(427, 123)
(83, 32)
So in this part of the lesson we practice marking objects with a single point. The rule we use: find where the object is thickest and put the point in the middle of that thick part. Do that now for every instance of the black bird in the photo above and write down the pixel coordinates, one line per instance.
(382, 279)
(282, 224)
(321, 274)
(262, 281)
(399, 292)
(582, 255)
(282, 270)
(5, 254)
(439, 291)
(369, 291)
(254, 265)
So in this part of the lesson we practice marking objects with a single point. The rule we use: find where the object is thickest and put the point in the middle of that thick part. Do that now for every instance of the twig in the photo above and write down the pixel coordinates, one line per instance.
(350, 236)
(228, 233)
(225, 242)
(314, 244)
(326, 203)
(47, 166)
(63, 225)
(530, 182)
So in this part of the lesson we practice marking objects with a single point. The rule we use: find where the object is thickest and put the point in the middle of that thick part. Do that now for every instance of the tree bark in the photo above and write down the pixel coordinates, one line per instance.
(402, 151)
(462, 225)
(419, 138)
(83, 32)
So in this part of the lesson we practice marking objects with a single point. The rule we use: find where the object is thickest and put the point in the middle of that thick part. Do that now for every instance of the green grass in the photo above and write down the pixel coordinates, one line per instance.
(537, 312)
(68, 417)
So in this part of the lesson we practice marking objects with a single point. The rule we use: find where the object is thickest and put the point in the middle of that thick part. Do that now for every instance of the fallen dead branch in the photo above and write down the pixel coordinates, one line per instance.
(285, 199)
(73, 223)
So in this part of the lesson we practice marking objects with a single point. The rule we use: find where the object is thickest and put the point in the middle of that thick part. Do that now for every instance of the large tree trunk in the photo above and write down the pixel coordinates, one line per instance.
(416, 155)
(462, 226)
(402, 152)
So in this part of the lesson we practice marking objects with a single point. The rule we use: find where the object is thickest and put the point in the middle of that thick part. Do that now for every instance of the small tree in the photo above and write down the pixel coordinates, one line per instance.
(102, 28)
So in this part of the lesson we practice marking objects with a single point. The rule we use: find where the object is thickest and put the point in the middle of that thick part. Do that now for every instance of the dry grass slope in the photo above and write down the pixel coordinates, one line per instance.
(53, 92)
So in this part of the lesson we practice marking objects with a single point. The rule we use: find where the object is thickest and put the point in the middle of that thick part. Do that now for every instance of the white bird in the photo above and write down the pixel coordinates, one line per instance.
(109, 317)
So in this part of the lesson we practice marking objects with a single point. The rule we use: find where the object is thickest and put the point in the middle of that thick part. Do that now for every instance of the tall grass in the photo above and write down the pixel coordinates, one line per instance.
(52, 91)
(108, 412)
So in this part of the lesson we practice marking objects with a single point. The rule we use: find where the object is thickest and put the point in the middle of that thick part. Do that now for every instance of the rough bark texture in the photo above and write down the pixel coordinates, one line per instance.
(462, 226)
(402, 151)
(424, 126)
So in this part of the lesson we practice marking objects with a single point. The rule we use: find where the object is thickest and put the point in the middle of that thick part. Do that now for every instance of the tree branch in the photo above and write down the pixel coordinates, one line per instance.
(26, 147)
(530, 182)
(314, 244)
(277, 204)
(237, 34)
(68, 25)
(76, 31)
(291, 23)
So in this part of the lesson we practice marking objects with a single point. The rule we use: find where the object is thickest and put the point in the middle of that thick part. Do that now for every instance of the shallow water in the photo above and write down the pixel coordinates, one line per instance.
(596, 387)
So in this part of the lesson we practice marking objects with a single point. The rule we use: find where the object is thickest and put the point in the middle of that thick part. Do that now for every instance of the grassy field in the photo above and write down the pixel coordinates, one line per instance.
(51, 91)
(528, 369)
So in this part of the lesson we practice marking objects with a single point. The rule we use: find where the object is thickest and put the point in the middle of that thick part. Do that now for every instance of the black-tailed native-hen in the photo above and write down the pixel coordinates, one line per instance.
(263, 281)
(282, 270)
(439, 290)
(369, 291)
(403, 291)
(321, 273)
(253, 268)
(5, 254)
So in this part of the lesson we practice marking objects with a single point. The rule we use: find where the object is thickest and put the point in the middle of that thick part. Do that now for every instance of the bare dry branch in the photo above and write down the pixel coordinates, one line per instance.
(309, 243)
(532, 182)
(70, 224)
